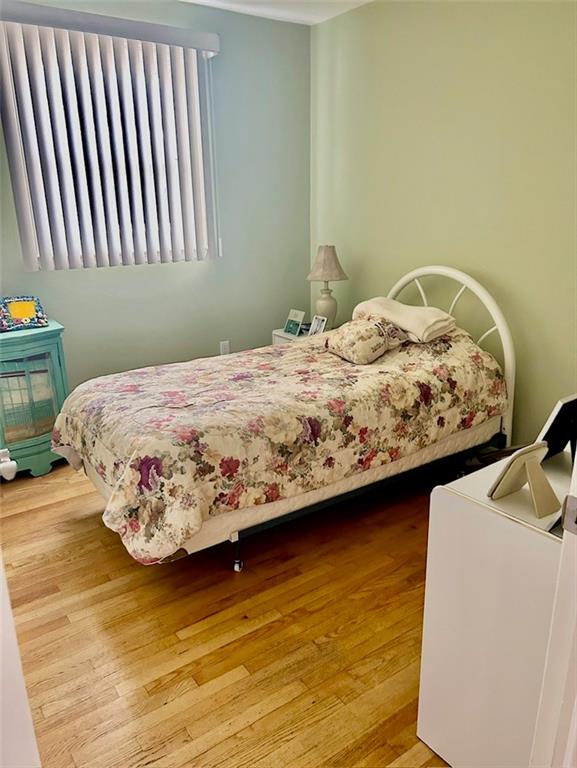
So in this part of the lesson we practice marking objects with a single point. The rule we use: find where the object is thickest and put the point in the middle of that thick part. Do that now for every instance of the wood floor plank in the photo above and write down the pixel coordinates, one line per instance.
(103, 740)
(204, 736)
(309, 657)
(416, 757)
(315, 741)
(259, 740)
(134, 676)
(372, 747)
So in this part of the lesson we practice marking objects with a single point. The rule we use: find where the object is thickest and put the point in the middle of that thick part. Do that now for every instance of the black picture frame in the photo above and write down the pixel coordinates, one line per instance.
(561, 427)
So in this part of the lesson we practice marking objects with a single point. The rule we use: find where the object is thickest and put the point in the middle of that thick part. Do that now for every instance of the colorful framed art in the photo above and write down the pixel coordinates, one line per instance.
(17, 313)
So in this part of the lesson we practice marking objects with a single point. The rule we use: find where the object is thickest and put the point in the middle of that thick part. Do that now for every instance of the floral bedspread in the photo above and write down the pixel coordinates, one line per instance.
(181, 442)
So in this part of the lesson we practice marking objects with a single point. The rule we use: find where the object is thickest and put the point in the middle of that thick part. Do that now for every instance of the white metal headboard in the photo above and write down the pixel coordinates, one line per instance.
(499, 323)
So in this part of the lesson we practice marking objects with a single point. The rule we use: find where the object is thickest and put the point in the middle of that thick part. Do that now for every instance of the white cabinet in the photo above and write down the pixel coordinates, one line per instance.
(490, 587)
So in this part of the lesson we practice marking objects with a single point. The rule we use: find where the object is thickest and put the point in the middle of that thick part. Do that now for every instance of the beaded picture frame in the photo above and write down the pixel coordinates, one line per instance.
(17, 313)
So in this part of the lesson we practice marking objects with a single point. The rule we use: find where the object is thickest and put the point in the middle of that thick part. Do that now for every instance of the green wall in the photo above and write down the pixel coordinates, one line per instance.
(123, 317)
(445, 133)
(441, 133)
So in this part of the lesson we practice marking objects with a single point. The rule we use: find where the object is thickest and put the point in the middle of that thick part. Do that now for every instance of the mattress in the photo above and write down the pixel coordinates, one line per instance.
(184, 444)
(227, 527)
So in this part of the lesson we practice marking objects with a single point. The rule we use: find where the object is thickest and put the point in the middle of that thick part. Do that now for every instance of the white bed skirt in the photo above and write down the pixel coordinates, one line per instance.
(226, 526)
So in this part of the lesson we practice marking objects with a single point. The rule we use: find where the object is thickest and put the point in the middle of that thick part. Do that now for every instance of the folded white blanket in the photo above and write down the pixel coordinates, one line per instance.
(420, 323)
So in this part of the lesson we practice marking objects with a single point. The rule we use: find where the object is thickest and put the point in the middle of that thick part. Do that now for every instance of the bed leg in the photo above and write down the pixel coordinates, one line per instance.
(238, 564)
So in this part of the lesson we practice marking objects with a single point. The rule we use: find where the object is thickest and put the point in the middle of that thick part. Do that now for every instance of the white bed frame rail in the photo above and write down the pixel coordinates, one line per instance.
(499, 326)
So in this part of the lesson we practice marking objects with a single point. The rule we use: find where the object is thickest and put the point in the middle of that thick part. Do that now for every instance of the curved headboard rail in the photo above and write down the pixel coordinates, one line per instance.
(500, 326)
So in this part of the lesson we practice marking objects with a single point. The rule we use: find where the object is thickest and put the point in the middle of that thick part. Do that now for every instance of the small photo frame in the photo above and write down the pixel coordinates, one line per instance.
(294, 322)
(17, 313)
(561, 427)
(318, 325)
(524, 466)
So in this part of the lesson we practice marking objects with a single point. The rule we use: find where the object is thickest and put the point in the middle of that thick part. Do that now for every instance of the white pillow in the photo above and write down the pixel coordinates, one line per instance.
(421, 323)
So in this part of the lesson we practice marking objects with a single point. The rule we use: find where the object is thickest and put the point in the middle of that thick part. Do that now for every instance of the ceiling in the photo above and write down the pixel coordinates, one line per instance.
(297, 11)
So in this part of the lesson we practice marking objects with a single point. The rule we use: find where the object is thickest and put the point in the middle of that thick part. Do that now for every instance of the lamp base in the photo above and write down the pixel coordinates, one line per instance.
(326, 306)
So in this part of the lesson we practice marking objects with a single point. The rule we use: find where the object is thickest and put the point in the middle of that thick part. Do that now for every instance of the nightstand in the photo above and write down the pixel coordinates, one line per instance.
(33, 386)
(280, 337)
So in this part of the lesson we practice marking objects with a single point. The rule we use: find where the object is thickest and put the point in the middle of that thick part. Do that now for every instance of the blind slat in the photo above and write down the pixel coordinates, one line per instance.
(117, 148)
(170, 152)
(195, 141)
(17, 161)
(78, 49)
(184, 164)
(208, 160)
(41, 117)
(158, 156)
(131, 147)
(61, 148)
(70, 101)
(145, 150)
(104, 149)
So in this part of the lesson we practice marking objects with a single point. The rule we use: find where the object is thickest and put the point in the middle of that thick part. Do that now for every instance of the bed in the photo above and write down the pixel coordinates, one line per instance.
(191, 454)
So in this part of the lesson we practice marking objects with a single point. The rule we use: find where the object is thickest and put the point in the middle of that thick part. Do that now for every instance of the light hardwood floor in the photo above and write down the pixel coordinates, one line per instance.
(309, 657)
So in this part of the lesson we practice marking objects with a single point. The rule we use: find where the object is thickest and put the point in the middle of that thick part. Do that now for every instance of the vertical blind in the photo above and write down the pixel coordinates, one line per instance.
(110, 148)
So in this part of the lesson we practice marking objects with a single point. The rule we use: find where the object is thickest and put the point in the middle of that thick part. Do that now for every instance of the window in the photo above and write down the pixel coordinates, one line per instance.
(109, 141)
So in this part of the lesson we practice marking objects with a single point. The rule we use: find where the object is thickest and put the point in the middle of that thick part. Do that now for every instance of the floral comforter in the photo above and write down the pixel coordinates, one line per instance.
(181, 442)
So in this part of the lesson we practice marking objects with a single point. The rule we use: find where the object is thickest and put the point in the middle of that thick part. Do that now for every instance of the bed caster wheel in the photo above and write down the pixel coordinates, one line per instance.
(238, 566)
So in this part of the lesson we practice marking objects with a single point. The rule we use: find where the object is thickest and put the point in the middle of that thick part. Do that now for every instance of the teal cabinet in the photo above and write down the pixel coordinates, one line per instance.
(33, 386)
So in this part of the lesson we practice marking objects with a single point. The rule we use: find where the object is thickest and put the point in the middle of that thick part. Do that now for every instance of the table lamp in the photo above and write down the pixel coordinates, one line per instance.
(327, 269)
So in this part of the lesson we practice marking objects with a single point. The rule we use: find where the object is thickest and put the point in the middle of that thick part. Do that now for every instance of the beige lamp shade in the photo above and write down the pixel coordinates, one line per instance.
(327, 267)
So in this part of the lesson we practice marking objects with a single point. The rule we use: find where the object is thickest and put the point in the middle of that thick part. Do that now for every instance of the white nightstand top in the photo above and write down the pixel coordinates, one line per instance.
(280, 337)
(517, 505)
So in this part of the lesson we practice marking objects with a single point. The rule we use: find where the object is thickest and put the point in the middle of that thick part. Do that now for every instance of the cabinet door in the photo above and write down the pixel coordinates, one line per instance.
(28, 402)
(488, 603)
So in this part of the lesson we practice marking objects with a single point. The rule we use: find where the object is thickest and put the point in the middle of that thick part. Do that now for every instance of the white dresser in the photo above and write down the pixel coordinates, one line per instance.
(491, 576)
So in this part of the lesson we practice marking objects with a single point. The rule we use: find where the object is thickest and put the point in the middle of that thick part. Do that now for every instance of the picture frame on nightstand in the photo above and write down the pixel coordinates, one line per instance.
(318, 325)
(18, 313)
(294, 322)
